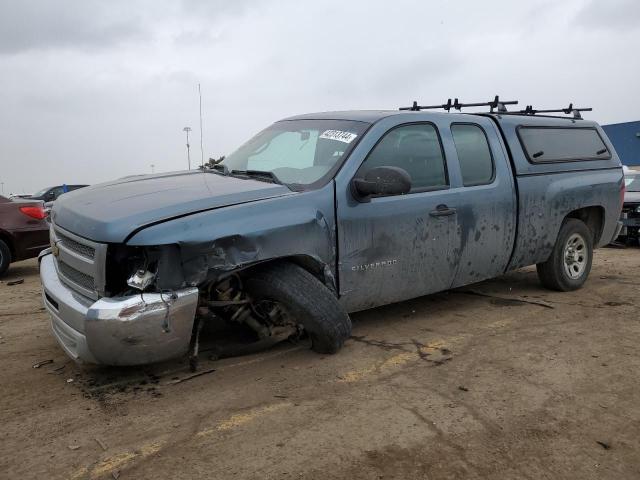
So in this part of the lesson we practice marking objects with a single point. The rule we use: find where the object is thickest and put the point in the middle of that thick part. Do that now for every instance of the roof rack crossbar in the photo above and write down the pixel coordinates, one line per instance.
(529, 110)
(496, 103)
(415, 107)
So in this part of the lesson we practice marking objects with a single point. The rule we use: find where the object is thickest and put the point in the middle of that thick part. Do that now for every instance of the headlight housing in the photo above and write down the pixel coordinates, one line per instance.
(153, 268)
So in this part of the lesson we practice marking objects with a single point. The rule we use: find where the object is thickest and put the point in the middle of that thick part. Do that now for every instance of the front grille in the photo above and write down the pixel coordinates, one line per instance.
(80, 262)
(76, 276)
(77, 247)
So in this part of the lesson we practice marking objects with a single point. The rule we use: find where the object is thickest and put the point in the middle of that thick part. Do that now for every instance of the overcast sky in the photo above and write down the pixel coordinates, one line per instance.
(94, 90)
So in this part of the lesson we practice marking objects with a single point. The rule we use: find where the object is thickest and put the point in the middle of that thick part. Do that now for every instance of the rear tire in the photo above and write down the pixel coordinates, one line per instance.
(306, 299)
(570, 262)
(5, 257)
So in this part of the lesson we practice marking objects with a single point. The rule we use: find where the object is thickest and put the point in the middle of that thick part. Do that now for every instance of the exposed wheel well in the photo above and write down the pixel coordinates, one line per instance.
(593, 217)
(310, 264)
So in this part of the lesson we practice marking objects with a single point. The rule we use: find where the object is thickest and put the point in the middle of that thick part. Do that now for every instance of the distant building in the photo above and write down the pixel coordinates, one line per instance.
(626, 140)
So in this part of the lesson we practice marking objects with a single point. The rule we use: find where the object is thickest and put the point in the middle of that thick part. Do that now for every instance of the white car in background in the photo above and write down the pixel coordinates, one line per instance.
(630, 215)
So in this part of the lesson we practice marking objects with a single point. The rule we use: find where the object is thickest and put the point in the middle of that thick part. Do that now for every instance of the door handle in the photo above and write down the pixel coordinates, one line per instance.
(442, 211)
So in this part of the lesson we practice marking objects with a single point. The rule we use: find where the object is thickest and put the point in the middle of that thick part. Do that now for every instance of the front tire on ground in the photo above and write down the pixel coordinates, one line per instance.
(5, 257)
(570, 262)
(306, 299)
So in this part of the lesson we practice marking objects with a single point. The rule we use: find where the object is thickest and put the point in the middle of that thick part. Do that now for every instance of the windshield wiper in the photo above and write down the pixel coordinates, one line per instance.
(219, 167)
(263, 175)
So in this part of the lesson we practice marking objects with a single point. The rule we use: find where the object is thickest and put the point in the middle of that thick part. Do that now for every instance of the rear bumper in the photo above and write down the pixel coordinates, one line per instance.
(132, 330)
(630, 219)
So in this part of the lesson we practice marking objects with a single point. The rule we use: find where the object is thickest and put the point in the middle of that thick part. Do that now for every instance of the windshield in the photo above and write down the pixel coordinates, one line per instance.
(298, 152)
(632, 182)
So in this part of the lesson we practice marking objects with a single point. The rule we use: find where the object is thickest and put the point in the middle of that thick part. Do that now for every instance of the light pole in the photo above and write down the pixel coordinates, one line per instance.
(188, 129)
(2, 185)
(152, 167)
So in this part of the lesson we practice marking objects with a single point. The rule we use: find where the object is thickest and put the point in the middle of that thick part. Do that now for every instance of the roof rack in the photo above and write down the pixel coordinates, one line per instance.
(529, 110)
(495, 103)
(500, 105)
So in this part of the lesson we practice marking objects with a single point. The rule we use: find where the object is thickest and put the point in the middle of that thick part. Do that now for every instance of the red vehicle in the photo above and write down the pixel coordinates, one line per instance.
(24, 231)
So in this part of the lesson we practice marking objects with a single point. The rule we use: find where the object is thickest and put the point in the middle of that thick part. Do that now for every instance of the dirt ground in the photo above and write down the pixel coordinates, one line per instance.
(473, 383)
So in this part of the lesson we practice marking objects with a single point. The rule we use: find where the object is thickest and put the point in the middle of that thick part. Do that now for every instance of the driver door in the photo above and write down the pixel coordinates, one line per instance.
(397, 247)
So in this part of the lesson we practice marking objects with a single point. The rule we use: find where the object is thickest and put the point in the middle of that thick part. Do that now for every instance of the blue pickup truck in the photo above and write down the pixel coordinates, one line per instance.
(320, 215)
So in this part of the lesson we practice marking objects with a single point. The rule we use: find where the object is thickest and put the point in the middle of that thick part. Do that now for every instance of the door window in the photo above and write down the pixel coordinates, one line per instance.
(474, 155)
(415, 148)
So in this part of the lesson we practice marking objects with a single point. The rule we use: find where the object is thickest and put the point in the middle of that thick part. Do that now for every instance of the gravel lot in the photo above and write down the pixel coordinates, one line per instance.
(498, 380)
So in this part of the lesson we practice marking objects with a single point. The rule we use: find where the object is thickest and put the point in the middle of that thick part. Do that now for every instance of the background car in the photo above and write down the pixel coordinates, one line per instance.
(50, 194)
(630, 215)
(24, 231)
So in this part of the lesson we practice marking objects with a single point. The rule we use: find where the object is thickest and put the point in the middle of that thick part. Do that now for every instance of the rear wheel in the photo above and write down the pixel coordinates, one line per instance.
(5, 257)
(305, 300)
(570, 262)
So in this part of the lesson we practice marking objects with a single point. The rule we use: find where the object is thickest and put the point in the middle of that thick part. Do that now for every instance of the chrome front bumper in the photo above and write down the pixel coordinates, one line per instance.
(133, 330)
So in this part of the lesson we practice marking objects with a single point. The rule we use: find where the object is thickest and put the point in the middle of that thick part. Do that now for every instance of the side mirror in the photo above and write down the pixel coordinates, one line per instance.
(381, 181)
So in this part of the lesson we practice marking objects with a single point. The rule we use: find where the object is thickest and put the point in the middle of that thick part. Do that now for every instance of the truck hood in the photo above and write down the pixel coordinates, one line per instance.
(110, 212)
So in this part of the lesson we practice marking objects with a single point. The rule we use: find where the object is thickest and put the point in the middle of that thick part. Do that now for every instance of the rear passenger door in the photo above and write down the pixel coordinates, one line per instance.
(399, 246)
(486, 201)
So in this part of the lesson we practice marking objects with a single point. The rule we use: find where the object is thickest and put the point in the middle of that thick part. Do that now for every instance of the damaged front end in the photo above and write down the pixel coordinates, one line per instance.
(148, 312)
(98, 318)
(223, 302)
(226, 304)
(146, 297)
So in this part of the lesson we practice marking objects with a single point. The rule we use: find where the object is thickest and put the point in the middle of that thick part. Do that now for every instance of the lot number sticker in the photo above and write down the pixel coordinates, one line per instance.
(339, 135)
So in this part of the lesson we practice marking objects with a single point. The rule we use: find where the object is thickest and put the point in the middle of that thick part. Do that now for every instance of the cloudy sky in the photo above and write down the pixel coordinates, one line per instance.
(94, 90)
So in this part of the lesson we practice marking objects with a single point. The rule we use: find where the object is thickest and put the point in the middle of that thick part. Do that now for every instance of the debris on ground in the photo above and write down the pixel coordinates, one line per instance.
(101, 443)
(74, 447)
(41, 363)
(604, 445)
(464, 389)
(189, 377)
(15, 282)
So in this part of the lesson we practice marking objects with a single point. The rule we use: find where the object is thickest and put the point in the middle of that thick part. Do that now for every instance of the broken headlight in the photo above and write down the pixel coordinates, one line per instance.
(141, 279)
(154, 268)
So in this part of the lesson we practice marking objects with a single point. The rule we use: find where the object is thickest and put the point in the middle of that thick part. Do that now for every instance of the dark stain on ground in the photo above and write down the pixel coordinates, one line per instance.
(388, 346)
(108, 386)
(616, 304)
(445, 353)
(506, 302)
